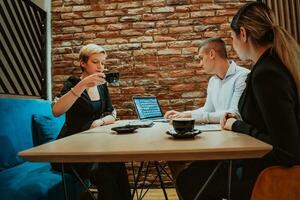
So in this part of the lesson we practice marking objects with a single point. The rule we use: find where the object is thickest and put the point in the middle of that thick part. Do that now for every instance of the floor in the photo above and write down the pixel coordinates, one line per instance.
(157, 194)
(152, 194)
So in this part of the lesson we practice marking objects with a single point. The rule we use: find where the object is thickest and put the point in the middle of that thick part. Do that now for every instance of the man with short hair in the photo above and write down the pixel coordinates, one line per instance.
(224, 87)
(223, 92)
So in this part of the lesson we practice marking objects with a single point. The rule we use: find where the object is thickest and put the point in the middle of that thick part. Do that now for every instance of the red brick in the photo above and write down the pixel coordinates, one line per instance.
(116, 41)
(190, 50)
(105, 20)
(94, 28)
(133, 90)
(179, 16)
(156, 31)
(179, 44)
(167, 23)
(169, 51)
(154, 17)
(154, 3)
(111, 47)
(134, 18)
(202, 14)
(61, 10)
(71, 16)
(129, 5)
(99, 41)
(144, 52)
(81, 8)
(93, 14)
(143, 25)
(182, 87)
(63, 23)
(84, 35)
(227, 12)
(114, 27)
(136, 11)
(187, 8)
(211, 6)
(163, 9)
(163, 38)
(73, 2)
(155, 45)
(114, 12)
(108, 34)
(80, 22)
(142, 39)
(187, 29)
(131, 32)
(214, 20)
(177, 2)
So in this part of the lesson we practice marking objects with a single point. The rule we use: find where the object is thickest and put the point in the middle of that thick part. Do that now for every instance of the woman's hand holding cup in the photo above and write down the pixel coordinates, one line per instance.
(93, 80)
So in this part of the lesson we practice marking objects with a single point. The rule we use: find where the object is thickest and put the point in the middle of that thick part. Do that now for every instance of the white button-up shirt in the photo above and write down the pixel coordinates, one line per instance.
(222, 95)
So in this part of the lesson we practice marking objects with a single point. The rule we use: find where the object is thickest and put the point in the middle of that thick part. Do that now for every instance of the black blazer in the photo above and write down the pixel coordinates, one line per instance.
(84, 111)
(269, 108)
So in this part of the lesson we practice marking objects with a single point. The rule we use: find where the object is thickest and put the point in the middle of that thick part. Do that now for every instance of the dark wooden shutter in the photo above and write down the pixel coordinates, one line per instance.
(23, 49)
(287, 13)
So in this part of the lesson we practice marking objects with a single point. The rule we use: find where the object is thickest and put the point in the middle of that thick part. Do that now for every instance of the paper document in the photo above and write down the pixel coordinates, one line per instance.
(208, 127)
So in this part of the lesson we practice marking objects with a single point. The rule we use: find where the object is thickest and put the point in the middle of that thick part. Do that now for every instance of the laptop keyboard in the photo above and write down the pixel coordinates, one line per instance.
(141, 124)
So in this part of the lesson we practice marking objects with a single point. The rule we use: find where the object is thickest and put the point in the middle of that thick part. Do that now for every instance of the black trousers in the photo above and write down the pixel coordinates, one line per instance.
(110, 179)
(244, 174)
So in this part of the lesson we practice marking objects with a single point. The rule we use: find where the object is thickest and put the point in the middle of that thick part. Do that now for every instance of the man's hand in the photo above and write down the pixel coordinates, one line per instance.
(227, 120)
(169, 114)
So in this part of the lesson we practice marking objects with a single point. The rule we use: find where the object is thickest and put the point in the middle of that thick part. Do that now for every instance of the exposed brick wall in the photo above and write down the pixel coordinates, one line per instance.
(152, 43)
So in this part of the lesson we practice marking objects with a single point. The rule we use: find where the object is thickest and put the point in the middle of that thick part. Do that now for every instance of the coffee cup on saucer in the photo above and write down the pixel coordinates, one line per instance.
(183, 125)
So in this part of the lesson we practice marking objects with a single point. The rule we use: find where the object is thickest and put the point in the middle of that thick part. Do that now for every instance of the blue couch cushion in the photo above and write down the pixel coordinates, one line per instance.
(32, 181)
(16, 127)
(46, 128)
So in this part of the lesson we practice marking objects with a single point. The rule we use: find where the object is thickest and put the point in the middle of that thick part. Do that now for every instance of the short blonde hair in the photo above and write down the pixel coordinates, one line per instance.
(88, 50)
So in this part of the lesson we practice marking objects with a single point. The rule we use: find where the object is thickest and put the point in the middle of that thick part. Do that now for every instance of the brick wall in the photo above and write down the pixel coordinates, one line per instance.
(152, 43)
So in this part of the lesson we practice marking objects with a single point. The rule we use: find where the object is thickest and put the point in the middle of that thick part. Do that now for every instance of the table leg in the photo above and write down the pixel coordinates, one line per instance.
(208, 180)
(229, 179)
(136, 180)
(64, 181)
(143, 184)
(161, 181)
(82, 183)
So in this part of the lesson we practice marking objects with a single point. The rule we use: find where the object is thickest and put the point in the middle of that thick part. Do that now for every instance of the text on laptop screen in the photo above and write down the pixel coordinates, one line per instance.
(147, 107)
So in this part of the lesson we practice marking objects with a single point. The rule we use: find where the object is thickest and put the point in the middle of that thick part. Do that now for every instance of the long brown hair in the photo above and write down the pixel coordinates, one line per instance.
(258, 20)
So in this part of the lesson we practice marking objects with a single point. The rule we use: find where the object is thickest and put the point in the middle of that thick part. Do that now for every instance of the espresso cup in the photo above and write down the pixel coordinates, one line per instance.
(111, 76)
(183, 125)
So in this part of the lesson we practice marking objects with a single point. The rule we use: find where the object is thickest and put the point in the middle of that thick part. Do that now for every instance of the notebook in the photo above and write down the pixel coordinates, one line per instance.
(148, 108)
(208, 127)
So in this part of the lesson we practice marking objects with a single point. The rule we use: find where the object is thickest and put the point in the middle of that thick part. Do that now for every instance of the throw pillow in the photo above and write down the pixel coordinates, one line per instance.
(46, 128)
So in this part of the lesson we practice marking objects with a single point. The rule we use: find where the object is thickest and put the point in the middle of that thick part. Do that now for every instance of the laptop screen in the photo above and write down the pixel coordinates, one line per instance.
(147, 107)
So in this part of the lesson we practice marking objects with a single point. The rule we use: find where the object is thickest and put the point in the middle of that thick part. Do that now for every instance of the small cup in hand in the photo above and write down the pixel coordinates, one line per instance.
(183, 125)
(111, 76)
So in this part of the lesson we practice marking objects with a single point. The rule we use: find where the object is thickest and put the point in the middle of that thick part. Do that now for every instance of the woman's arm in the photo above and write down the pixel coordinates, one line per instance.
(64, 103)
(70, 95)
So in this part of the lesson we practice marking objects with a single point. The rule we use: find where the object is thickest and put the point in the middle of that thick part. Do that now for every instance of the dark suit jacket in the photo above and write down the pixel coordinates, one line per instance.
(269, 108)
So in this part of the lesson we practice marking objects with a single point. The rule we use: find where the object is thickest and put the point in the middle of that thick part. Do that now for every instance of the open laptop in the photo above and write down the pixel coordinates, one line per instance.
(148, 108)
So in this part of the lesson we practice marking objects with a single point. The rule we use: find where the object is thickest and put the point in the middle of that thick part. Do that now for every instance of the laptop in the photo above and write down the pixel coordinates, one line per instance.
(148, 109)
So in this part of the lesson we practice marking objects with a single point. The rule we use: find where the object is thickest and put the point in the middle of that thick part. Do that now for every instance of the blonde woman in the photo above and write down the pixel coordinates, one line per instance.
(269, 105)
(87, 104)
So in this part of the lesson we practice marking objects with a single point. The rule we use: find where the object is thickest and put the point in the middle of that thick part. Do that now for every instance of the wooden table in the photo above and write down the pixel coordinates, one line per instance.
(148, 144)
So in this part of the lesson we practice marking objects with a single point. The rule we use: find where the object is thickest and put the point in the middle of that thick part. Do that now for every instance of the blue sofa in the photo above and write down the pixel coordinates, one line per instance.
(25, 123)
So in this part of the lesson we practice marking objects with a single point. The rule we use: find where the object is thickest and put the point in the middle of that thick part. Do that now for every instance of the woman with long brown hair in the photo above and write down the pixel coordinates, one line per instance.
(269, 105)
